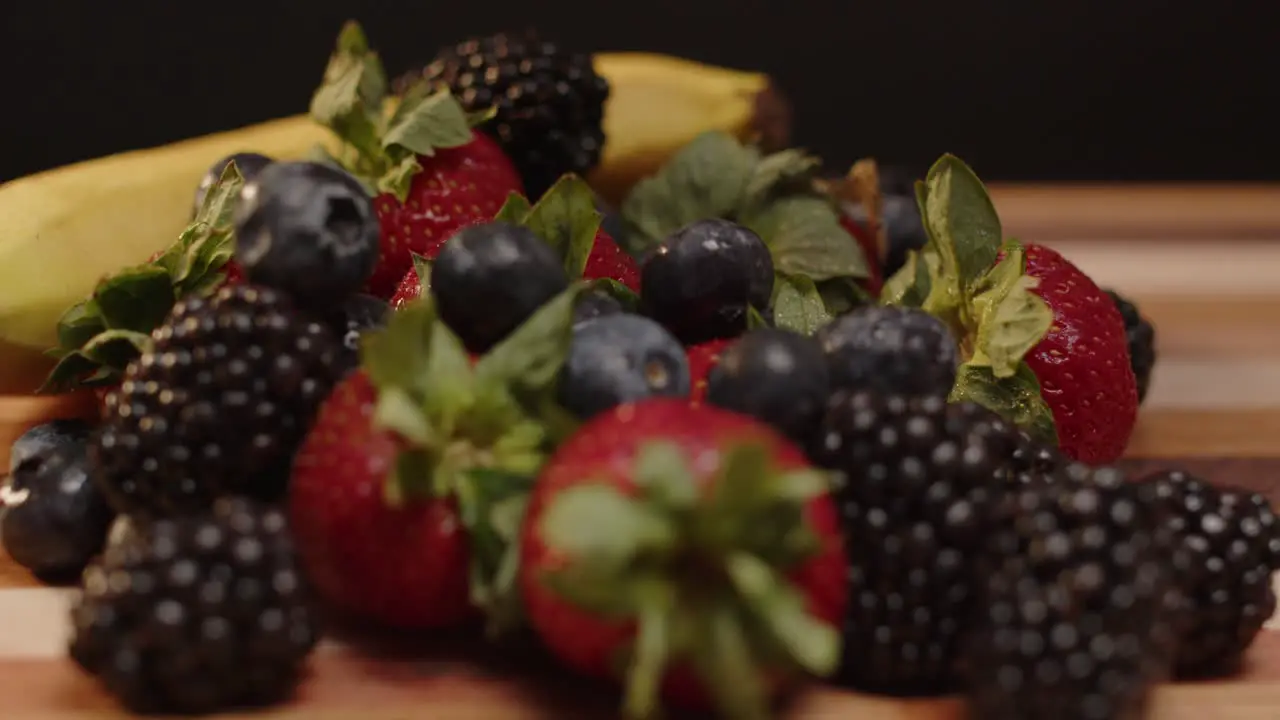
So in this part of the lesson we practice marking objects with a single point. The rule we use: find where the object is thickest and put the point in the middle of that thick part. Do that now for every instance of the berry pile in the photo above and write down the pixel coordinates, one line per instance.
(742, 438)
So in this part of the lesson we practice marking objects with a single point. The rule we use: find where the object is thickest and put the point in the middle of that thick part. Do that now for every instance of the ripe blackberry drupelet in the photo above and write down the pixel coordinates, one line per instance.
(1078, 608)
(216, 407)
(1142, 342)
(549, 102)
(916, 482)
(1232, 541)
(197, 615)
(890, 349)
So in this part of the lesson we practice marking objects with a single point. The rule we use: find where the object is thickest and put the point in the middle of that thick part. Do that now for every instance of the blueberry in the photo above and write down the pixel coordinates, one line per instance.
(593, 305)
(776, 376)
(621, 358)
(488, 279)
(249, 164)
(700, 280)
(358, 315)
(309, 230)
(903, 229)
(53, 519)
(895, 350)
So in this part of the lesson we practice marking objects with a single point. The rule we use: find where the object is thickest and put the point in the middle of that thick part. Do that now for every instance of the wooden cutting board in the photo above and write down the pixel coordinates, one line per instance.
(1197, 260)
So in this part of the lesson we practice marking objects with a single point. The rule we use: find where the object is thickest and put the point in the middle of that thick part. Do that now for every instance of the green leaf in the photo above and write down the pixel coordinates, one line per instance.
(810, 643)
(411, 478)
(116, 348)
(805, 237)
(424, 125)
(399, 354)
(625, 296)
(491, 505)
(349, 99)
(530, 358)
(797, 304)
(448, 384)
(663, 473)
(911, 285)
(777, 173)
(67, 373)
(1016, 398)
(705, 179)
(652, 649)
(78, 324)
(567, 219)
(398, 411)
(135, 299)
(756, 319)
(603, 534)
(514, 210)
(422, 268)
(840, 295)
(398, 177)
(724, 658)
(962, 220)
(1010, 318)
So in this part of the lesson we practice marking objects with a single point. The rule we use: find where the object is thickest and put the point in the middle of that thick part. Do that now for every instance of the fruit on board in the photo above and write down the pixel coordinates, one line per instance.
(891, 349)
(816, 263)
(199, 614)
(53, 518)
(776, 376)
(142, 199)
(694, 544)
(1232, 542)
(1039, 342)
(916, 482)
(1079, 606)
(548, 102)
(620, 358)
(703, 358)
(1141, 335)
(223, 392)
(409, 488)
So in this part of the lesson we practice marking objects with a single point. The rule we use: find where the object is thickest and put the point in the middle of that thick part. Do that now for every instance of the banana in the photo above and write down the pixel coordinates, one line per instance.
(61, 230)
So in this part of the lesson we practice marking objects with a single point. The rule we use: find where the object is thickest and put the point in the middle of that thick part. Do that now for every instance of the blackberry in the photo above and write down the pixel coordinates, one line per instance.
(549, 101)
(1031, 457)
(1079, 611)
(917, 480)
(1142, 342)
(1232, 541)
(206, 613)
(216, 407)
(895, 350)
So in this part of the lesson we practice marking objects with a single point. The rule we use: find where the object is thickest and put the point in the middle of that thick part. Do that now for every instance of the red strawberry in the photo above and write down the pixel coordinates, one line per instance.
(456, 187)
(698, 527)
(870, 250)
(409, 289)
(609, 261)
(702, 358)
(399, 489)
(1082, 363)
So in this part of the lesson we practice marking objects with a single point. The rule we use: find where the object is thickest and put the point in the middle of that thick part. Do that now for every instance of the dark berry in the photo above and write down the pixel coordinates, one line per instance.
(488, 279)
(776, 376)
(1078, 611)
(894, 350)
(359, 314)
(903, 228)
(1232, 541)
(1032, 458)
(612, 223)
(593, 305)
(53, 519)
(917, 484)
(217, 407)
(309, 230)
(197, 615)
(249, 164)
(700, 281)
(549, 102)
(1142, 342)
(618, 359)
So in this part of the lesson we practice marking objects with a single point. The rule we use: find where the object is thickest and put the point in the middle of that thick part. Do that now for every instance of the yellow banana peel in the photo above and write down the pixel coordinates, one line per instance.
(62, 230)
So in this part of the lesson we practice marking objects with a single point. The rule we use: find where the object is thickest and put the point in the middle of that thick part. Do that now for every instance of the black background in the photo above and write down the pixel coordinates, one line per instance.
(1115, 90)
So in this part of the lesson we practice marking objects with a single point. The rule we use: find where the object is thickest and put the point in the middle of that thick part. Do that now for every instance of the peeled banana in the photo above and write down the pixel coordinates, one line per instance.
(61, 230)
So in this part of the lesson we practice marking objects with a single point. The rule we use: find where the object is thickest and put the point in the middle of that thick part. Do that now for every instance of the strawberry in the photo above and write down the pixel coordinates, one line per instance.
(688, 551)
(433, 173)
(866, 239)
(1082, 363)
(702, 358)
(1042, 344)
(566, 218)
(410, 485)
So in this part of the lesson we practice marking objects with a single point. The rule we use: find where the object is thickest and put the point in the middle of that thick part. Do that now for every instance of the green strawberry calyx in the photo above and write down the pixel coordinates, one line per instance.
(567, 219)
(476, 433)
(99, 336)
(384, 137)
(778, 196)
(703, 572)
(975, 280)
